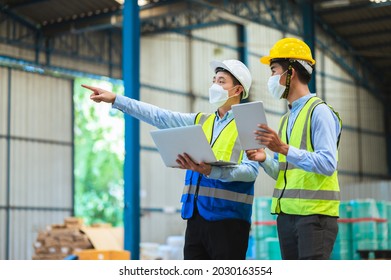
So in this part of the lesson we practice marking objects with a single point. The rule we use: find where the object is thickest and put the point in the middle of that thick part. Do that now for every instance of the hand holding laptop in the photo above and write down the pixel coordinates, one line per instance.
(189, 140)
(185, 162)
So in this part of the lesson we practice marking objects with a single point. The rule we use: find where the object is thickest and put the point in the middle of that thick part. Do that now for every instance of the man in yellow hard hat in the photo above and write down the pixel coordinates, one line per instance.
(216, 201)
(306, 196)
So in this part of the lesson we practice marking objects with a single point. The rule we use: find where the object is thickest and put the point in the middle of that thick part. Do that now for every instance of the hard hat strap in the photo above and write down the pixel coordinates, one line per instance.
(288, 81)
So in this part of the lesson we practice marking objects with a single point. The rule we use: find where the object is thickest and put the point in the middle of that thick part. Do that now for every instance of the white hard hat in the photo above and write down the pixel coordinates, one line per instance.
(238, 70)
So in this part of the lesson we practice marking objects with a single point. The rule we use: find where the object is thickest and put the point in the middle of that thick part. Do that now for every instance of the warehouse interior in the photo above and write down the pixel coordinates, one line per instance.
(158, 51)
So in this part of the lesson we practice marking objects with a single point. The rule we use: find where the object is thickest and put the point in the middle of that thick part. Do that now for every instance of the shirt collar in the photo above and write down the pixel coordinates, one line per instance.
(300, 102)
(227, 115)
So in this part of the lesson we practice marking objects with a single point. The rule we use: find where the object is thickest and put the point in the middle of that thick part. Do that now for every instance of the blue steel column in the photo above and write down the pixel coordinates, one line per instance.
(387, 124)
(131, 77)
(8, 171)
(243, 50)
(307, 7)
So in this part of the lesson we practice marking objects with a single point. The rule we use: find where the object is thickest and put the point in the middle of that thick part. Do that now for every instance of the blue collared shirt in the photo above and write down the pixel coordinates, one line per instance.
(325, 129)
(247, 171)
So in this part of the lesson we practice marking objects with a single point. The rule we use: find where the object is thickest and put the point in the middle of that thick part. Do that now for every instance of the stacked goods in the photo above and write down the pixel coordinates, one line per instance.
(265, 230)
(273, 248)
(388, 204)
(343, 244)
(61, 240)
(382, 225)
(364, 226)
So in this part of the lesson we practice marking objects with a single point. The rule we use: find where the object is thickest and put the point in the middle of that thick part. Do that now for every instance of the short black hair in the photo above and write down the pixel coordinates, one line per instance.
(302, 73)
(235, 81)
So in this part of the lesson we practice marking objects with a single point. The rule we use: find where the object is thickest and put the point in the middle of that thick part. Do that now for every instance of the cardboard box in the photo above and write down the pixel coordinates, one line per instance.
(105, 238)
(93, 254)
(72, 238)
(108, 243)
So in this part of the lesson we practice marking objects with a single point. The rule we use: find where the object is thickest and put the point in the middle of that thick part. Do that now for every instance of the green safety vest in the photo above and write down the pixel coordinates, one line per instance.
(227, 146)
(299, 192)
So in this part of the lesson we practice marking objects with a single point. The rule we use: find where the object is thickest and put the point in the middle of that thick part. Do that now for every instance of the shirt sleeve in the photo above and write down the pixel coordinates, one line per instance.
(271, 166)
(325, 130)
(246, 171)
(153, 115)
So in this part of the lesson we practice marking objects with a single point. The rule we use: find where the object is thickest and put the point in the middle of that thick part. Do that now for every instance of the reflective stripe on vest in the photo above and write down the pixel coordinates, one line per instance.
(298, 191)
(308, 194)
(219, 193)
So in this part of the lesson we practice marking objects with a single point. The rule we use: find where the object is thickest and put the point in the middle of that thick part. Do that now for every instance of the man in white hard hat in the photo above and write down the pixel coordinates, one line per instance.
(216, 201)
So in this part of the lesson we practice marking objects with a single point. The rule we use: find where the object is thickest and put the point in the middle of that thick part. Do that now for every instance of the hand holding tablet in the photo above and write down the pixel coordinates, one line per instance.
(247, 118)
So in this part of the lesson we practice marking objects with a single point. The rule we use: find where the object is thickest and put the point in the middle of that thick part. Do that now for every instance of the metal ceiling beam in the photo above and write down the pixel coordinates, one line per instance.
(350, 69)
(183, 18)
(256, 12)
(383, 33)
(158, 2)
(356, 22)
(110, 20)
(201, 13)
(307, 8)
(24, 21)
(352, 8)
(25, 4)
(374, 46)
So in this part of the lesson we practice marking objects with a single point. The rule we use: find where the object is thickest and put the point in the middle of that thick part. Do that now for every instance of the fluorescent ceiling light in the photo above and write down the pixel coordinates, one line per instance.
(139, 2)
(335, 4)
(230, 17)
(142, 2)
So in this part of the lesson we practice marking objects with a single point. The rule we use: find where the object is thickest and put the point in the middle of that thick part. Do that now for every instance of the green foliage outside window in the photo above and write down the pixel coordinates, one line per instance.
(99, 156)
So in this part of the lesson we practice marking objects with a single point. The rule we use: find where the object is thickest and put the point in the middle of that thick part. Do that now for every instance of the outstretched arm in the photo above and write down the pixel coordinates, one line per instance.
(142, 111)
(98, 95)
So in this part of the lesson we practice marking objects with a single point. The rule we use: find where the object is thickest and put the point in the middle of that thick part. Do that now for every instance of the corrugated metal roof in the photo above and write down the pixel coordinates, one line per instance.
(46, 12)
(362, 25)
(365, 26)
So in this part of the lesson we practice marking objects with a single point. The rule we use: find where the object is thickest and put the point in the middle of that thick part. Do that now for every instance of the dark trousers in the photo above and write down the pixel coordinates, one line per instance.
(216, 240)
(306, 237)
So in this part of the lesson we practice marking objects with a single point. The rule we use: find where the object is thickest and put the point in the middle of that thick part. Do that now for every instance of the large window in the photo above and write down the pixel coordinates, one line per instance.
(99, 156)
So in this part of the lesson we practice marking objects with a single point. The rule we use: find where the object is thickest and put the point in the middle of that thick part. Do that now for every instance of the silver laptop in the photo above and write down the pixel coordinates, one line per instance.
(191, 140)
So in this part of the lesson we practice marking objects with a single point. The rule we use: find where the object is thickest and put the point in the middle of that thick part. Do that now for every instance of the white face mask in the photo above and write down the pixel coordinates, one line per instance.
(217, 96)
(274, 86)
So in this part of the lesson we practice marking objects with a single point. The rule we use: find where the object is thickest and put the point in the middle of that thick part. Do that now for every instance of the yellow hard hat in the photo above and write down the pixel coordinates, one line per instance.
(289, 48)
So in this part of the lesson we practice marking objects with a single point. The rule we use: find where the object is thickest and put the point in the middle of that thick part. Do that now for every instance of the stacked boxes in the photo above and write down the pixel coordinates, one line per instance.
(265, 231)
(382, 225)
(93, 254)
(343, 244)
(59, 241)
(388, 204)
(364, 226)
(98, 242)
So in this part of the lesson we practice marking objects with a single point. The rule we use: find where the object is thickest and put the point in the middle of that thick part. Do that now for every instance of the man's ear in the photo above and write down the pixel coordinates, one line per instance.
(239, 90)
(293, 75)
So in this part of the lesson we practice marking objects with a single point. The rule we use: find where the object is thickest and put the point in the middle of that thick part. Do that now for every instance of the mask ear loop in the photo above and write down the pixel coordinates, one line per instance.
(288, 81)
(233, 88)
